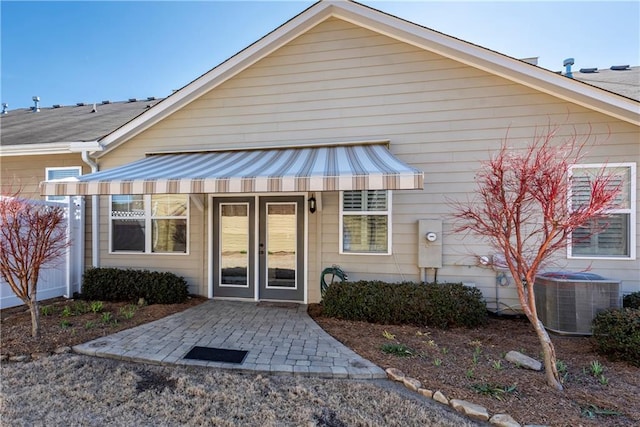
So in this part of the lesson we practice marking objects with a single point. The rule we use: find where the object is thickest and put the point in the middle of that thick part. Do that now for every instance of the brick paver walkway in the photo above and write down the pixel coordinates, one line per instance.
(279, 338)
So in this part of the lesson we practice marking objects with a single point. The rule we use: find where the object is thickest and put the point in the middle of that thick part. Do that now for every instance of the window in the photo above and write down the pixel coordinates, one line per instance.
(365, 225)
(149, 224)
(613, 235)
(60, 173)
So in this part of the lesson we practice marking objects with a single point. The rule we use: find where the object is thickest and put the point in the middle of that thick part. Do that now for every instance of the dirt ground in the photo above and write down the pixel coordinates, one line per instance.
(462, 363)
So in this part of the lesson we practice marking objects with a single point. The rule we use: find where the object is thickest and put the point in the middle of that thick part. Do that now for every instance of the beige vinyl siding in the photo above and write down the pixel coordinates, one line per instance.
(314, 266)
(191, 266)
(25, 173)
(341, 83)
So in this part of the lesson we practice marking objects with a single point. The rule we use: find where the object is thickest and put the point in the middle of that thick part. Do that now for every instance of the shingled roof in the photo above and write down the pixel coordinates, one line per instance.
(68, 123)
(624, 82)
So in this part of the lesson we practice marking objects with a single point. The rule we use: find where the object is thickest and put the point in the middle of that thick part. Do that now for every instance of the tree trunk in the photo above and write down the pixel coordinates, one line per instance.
(35, 317)
(549, 353)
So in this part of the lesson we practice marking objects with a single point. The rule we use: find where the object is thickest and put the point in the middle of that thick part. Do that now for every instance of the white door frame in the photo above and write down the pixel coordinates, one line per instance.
(210, 237)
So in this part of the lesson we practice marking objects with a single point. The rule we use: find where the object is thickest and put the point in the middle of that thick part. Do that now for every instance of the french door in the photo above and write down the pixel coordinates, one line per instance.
(258, 247)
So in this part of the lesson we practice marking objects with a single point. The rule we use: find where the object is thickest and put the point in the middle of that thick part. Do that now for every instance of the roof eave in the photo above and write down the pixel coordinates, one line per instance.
(49, 148)
(282, 35)
(493, 62)
(35, 149)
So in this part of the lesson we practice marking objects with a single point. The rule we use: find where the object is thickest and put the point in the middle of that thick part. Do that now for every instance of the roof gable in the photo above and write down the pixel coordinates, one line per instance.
(464, 52)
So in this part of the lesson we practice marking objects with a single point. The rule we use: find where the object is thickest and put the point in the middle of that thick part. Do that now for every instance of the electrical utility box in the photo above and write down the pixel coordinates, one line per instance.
(430, 243)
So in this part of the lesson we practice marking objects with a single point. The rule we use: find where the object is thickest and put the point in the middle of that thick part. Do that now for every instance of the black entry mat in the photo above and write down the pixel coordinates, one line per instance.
(211, 354)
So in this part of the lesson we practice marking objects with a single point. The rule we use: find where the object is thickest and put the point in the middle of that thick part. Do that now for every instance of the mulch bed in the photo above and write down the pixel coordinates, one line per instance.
(444, 360)
(58, 330)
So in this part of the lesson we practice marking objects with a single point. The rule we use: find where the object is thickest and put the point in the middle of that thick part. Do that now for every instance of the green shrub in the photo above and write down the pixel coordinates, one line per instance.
(440, 305)
(617, 334)
(113, 284)
(400, 350)
(632, 300)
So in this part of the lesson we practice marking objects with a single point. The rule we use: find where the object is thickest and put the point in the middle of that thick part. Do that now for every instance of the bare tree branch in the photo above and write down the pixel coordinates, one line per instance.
(32, 236)
(522, 210)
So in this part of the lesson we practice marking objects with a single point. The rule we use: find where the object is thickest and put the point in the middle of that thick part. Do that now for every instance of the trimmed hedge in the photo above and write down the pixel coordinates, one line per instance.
(617, 334)
(114, 284)
(441, 305)
(632, 300)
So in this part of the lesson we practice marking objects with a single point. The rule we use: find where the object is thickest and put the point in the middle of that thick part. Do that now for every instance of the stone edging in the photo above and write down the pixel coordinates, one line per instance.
(469, 409)
(33, 356)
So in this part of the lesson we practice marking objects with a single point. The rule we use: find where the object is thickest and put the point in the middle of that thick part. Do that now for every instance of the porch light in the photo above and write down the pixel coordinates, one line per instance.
(312, 204)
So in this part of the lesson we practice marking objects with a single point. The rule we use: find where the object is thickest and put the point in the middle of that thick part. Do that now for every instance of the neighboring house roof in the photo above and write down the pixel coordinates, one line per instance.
(625, 82)
(24, 131)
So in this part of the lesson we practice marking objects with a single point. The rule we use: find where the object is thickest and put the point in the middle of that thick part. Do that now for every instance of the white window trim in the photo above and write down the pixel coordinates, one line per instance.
(388, 213)
(57, 168)
(631, 211)
(148, 227)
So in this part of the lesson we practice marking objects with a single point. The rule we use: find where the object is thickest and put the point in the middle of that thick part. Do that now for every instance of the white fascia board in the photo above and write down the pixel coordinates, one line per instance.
(221, 73)
(79, 147)
(49, 148)
(35, 149)
(492, 62)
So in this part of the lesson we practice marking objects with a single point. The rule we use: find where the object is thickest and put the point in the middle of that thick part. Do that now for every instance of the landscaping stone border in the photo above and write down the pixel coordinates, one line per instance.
(469, 409)
(33, 356)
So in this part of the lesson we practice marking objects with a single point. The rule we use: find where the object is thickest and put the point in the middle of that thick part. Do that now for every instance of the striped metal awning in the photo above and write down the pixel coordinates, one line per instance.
(326, 168)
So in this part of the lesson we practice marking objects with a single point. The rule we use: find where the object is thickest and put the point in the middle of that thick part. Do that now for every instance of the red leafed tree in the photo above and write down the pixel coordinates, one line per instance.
(32, 235)
(522, 210)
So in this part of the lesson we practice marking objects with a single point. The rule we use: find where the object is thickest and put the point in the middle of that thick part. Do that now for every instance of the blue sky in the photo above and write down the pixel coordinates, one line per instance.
(89, 51)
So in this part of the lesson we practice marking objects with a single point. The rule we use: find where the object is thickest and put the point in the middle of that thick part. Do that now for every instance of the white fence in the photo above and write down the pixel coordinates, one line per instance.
(64, 276)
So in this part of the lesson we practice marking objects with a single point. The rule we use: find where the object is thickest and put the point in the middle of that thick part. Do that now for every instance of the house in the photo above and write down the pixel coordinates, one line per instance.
(41, 143)
(621, 79)
(340, 138)
(52, 143)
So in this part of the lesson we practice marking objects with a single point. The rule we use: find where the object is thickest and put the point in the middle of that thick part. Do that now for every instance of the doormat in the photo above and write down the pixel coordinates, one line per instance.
(212, 354)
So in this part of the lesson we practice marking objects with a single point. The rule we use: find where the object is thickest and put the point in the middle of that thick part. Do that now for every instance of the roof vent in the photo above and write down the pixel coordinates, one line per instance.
(106, 101)
(95, 108)
(36, 104)
(132, 100)
(533, 60)
(56, 105)
(567, 63)
(588, 70)
(5, 108)
(619, 67)
(80, 104)
(151, 98)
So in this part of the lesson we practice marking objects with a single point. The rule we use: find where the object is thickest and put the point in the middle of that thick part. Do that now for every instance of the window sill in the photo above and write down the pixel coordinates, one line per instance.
(602, 258)
(149, 253)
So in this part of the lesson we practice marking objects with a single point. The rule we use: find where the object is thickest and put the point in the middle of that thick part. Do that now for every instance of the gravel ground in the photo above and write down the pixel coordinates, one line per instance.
(77, 390)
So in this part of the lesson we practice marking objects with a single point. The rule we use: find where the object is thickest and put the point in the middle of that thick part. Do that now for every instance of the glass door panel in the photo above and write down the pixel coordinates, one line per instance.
(234, 247)
(234, 244)
(281, 243)
(281, 248)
